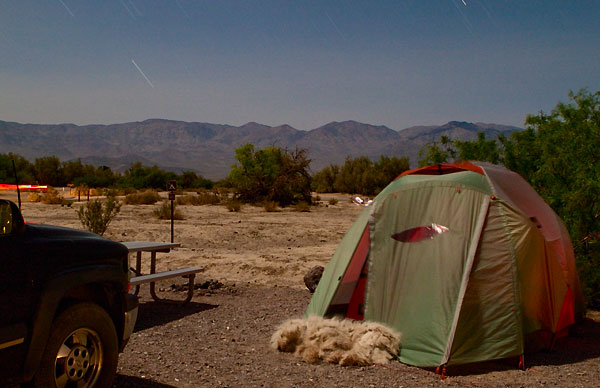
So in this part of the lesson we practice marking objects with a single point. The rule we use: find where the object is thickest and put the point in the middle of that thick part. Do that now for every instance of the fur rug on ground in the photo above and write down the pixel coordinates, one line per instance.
(344, 342)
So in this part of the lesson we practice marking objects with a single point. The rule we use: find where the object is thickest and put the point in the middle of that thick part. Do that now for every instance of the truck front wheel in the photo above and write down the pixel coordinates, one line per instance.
(82, 350)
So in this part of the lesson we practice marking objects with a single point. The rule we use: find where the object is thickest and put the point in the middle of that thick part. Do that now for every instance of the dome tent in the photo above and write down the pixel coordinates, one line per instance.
(465, 260)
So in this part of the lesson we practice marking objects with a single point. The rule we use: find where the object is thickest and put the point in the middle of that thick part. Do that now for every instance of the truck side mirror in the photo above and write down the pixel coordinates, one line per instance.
(11, 220)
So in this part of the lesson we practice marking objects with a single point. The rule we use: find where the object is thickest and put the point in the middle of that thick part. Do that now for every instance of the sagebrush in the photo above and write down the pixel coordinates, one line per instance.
(203, 198)
(164, 212)
(51, 197)
(302, 207)
(95, 215)
(270, 206)
(233, 206)
(148, 197)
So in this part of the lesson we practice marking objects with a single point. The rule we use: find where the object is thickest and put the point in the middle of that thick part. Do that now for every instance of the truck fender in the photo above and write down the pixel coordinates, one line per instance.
(51, 296)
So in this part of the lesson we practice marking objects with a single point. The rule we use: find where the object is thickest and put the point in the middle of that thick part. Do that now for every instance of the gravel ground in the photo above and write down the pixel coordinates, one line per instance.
(221, 339)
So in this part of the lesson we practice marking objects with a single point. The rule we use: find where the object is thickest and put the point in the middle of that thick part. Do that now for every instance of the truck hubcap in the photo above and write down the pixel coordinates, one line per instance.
(79, 359)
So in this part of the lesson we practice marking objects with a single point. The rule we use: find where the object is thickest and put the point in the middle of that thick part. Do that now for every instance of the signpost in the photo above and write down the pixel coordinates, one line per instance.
(172, 188)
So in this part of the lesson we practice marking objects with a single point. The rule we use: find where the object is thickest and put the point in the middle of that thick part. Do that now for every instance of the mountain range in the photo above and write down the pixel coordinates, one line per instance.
(208, 149)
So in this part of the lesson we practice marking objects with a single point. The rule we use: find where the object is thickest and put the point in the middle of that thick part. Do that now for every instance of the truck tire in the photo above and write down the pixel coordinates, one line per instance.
(82, 350)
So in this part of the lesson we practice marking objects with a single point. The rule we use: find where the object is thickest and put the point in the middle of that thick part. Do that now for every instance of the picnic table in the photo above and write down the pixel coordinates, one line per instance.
(153, 247)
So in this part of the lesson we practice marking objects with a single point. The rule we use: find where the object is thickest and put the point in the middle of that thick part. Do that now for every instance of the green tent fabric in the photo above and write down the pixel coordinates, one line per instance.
(465, 260)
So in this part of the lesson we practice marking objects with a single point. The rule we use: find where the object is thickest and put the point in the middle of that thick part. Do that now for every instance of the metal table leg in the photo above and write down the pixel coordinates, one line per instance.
(138, 269)
(190, 277)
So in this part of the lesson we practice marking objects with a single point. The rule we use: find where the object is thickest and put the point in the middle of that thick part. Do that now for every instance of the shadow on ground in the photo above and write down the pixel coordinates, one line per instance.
(122, 381)
(152, 314)
(583, 343)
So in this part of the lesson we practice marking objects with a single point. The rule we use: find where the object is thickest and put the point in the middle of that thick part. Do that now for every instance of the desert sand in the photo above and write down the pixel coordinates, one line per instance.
(249, 246)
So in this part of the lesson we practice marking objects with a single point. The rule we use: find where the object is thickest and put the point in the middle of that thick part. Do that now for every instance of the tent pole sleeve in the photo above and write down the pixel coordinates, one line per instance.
(473, 245)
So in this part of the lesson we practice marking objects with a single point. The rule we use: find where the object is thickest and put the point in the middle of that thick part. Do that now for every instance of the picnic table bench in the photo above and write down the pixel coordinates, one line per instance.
(148, 246)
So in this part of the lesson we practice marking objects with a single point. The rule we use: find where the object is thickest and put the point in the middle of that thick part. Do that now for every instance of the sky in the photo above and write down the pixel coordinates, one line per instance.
(304, 63)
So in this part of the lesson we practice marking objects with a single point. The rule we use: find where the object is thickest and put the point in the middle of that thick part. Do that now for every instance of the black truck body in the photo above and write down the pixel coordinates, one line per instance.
(45, 271)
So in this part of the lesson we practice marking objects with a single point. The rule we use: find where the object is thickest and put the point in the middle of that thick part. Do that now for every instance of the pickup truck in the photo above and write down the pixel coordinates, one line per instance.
(65, 310)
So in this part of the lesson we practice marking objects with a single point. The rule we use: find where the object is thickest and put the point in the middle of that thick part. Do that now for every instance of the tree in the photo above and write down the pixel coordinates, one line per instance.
(359, 175)
(448, 150)
(139, 176)
(23, 166)
(481, 149)
(48, 171)
(355, 176)
(559, 154)
(324, 180)
(271, 174)
(190, 179)
(73, 169)
(387, 169)
(436, 153)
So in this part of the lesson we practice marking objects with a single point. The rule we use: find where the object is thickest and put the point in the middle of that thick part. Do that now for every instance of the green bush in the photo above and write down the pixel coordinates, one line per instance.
(148, 197)
(590, 279)
(164, 212)
(96, 216)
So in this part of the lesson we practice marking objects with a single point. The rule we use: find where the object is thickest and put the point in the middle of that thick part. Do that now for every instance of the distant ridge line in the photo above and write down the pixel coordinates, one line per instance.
(208, 148)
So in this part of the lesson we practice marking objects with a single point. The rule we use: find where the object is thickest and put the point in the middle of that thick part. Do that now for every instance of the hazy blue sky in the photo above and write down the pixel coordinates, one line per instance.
(304, 63)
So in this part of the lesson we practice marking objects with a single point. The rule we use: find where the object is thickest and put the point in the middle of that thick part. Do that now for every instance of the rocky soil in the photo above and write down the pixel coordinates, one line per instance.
(221, 339)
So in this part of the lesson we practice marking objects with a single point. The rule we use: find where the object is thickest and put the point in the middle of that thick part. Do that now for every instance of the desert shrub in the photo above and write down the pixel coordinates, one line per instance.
(186, 200)
(34, 197)
(95, 216)
(96, 192)
(51, 197)
(203, 198)
(164, 212)
(233, 206)
(316, 198)
(208, 198)
(333, 201)
(270, 206)
(67, 202)
(81, 189)
(110, 192)
(302, 207)
(127, 190)
(148, 197)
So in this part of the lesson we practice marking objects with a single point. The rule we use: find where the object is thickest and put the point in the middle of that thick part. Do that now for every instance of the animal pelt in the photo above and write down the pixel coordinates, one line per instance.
(337, 341)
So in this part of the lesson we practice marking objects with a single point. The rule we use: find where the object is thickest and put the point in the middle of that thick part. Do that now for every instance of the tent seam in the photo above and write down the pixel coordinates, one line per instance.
(516, 289)
(371, 226)
(467, 274)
